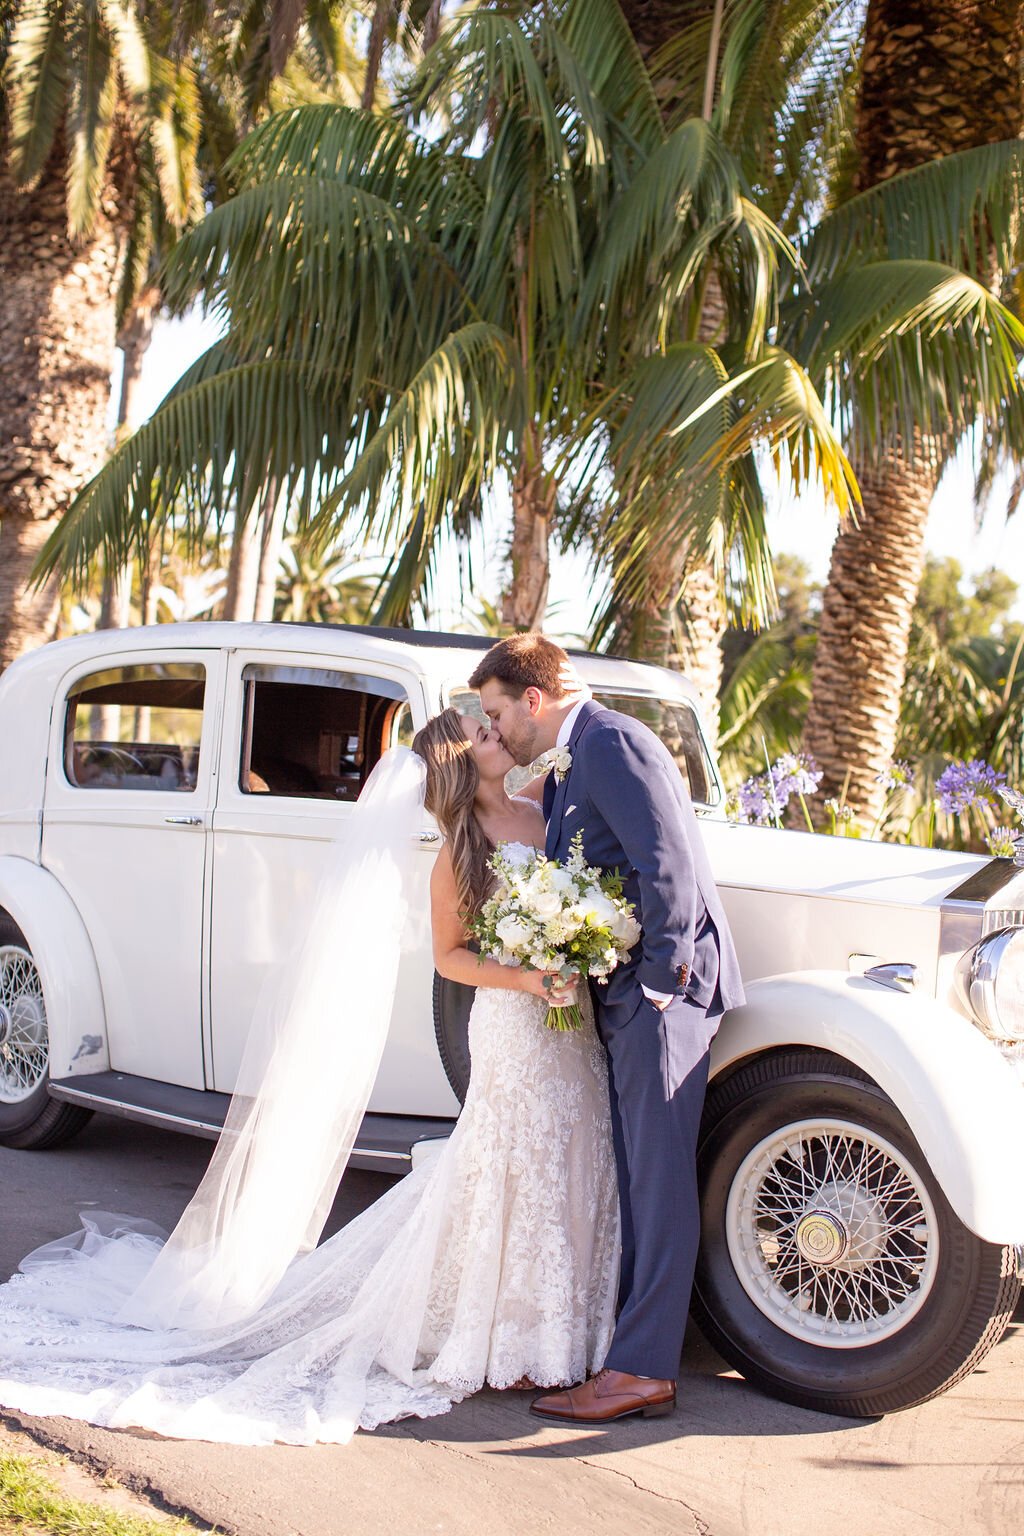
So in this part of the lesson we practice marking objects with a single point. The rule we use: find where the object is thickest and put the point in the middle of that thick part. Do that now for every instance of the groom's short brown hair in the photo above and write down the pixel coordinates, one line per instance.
(524, 661)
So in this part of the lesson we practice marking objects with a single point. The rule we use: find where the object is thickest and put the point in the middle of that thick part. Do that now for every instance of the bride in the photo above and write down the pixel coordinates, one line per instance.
(493, 1263)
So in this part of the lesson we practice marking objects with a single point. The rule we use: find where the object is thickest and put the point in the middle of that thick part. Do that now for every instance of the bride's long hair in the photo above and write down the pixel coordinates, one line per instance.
(451, 788)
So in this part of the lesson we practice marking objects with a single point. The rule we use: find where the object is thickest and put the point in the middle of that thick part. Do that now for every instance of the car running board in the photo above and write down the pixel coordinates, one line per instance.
(384, 1142)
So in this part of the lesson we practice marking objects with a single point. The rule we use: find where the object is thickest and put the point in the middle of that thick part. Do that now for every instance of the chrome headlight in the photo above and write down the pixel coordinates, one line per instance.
(990, 978)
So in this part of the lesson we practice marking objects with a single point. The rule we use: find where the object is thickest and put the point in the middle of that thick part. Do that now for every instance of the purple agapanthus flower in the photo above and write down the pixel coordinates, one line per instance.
(899, 774)
(963, 785)
(756, 802)
(795, 773)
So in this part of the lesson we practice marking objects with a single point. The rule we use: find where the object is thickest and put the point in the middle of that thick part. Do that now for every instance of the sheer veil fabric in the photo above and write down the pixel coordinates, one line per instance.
(494, 1260)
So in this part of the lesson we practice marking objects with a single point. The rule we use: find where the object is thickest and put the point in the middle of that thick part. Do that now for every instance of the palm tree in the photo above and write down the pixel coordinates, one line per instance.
(115, 125)
(937, 82)
(409, 321)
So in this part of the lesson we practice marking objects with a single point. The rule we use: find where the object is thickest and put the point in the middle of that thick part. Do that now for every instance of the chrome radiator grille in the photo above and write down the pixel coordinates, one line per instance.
(1003, 917)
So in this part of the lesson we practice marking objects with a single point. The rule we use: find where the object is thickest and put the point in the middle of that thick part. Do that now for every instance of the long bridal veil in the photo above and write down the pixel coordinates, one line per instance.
(305, 1080)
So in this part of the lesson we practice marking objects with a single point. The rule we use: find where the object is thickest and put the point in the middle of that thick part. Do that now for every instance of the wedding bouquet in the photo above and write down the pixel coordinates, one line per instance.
(566, 918)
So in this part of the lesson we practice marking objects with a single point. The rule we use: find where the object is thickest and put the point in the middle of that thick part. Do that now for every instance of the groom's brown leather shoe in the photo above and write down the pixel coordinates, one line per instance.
(606, 1396)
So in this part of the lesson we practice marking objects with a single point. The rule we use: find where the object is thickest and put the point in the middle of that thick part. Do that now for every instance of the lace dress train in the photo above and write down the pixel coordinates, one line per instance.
(496, 1259)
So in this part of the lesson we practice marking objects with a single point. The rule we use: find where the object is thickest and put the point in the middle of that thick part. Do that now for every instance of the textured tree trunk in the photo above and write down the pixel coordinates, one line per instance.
(243, 572)
(375, 51)
(275, 508)
(133, 340)
(533, 503)
(935, 78)
(56, 353)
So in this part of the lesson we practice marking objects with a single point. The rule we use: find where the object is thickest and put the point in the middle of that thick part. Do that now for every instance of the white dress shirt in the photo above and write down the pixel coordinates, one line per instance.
(564, 732)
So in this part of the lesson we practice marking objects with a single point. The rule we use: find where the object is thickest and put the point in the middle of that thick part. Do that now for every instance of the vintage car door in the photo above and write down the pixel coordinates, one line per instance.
(301, 734)
(128, 790)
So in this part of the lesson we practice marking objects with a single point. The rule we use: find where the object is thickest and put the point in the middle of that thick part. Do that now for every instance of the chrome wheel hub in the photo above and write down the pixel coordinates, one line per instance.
(832, 1233)
(24, 1037)
(821, 1238)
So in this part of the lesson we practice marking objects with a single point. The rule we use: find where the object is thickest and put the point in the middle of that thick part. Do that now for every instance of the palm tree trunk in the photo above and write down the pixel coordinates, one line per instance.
(275, 508)
(375, 51)
(861, 655)
(243, 572)
(935, 78)
(533, 503)
(133, 340)
(56, 353)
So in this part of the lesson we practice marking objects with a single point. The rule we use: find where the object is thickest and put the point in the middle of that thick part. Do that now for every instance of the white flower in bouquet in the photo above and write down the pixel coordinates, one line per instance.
(568, 920)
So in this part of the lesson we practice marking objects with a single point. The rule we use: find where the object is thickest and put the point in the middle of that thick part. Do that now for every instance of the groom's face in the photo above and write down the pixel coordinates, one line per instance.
(519, 722)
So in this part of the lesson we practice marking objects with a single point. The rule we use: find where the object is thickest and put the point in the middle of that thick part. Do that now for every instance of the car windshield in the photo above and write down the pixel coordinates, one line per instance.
(672, 719)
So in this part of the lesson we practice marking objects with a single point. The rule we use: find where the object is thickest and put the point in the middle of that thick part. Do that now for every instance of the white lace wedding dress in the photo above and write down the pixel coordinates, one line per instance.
(495, 1260)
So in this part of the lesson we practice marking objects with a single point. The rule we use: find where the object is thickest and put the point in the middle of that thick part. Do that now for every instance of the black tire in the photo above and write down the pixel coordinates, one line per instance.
(452, 1003)
(35, 1121)
(973, 1291)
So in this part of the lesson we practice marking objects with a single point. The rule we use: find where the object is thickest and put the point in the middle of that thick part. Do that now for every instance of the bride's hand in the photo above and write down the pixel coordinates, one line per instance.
(550, 986)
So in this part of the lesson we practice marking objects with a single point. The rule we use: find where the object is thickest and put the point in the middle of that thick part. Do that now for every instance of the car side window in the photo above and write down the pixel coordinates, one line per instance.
(315, 733)
(677, 726)
(136, 727)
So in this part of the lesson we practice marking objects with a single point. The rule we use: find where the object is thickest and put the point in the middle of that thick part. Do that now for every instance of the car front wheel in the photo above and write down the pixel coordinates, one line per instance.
(833, 1272)
(29, 1118)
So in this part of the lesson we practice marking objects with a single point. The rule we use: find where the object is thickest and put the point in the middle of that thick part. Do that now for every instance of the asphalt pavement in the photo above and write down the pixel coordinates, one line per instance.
(730, 1463)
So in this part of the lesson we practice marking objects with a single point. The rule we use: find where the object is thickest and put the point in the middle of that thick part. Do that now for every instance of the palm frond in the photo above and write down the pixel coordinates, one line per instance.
(597, 34)
(219, 437)
(438, 442)
(37, 85)
(903, 348)
(92, 100)
(965, 210)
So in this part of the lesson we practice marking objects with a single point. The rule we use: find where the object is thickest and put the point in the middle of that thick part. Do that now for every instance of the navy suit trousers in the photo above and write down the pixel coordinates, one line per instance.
(658, 1069)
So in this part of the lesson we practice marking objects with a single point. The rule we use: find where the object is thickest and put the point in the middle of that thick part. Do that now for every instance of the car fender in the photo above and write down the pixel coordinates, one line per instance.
(60, 945)
(961, 1099)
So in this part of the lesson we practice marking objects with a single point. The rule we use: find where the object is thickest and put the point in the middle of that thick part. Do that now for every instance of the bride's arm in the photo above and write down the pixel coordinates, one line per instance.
(453, 959)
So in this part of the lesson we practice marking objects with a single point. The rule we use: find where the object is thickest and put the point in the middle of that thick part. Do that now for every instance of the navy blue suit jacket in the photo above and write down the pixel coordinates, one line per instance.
(628, 797)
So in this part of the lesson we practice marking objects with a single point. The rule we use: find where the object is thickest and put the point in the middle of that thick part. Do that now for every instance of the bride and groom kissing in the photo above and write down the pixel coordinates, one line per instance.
(551, 1243)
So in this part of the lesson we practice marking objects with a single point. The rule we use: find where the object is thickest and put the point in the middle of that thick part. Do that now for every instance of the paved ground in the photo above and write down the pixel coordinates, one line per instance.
(730, 1463)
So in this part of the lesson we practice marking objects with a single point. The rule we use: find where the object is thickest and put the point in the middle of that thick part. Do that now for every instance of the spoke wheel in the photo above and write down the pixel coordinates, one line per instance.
(24, 1040)
(832, 1271)
(29, 1118)
(832, 1233)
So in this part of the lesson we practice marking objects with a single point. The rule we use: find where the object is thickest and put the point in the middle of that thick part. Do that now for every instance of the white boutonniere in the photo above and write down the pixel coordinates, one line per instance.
(558, 758)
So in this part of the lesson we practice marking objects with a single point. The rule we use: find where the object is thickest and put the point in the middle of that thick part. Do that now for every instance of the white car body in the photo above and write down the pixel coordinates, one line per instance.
(158, 865)
(154, 914)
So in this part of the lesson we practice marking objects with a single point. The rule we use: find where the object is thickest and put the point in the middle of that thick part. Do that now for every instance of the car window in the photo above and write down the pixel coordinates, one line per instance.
(674, 721)
(315, 733)
(136, 727)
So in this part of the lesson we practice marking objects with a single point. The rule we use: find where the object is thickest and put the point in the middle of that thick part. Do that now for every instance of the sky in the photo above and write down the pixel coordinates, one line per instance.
(797, 525)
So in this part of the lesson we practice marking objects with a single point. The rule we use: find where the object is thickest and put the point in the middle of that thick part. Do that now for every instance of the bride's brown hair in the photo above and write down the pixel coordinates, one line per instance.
(452, 782)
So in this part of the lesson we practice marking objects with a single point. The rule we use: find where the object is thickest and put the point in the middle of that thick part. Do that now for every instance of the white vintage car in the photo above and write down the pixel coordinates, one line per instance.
(167, 798)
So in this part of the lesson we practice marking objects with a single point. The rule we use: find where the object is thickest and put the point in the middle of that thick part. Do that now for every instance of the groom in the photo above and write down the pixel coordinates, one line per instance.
(659, 1011)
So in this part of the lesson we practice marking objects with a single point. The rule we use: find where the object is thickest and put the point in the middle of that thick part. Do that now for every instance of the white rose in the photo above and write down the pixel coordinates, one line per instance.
(625, 929)
(561, 880)
(546, 904)
(512, 932)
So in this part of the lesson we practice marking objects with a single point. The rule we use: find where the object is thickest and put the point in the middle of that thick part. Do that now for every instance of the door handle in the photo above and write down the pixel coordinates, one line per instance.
(184, 821)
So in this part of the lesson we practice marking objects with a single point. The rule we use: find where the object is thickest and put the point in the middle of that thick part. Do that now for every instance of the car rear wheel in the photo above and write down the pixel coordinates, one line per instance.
(29, 1118)
(833, 1272)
